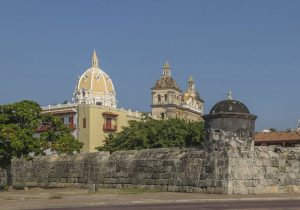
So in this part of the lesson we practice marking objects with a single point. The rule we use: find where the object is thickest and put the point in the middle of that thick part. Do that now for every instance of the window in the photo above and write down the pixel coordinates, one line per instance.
(84, 122)
(71, 120)
(158, 98)
(108, 121)
(162, 115)
(62, 119)
(99, 103)
(166, 97)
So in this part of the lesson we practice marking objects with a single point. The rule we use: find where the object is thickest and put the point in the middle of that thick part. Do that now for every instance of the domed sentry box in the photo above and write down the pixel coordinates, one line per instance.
(230, 123)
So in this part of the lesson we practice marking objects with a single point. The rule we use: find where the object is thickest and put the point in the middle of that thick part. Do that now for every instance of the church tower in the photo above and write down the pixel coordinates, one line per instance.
(165, 95)
(168, 101)
(191, 98)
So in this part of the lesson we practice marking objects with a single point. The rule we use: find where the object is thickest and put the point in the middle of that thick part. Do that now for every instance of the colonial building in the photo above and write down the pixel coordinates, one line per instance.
(94, 113)
(169, 101)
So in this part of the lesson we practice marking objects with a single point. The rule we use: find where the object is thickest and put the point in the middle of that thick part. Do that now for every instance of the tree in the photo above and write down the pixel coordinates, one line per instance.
(57, 137)
(150, 133)
(18, 122)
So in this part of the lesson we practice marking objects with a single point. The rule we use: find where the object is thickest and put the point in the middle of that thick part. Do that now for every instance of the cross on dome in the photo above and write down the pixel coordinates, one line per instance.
(230, 95)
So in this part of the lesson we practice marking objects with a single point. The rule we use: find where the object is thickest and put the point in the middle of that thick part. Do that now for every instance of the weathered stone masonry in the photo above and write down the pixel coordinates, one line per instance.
(263, 170)
(2, 177)
(268, 169)
(170, 169)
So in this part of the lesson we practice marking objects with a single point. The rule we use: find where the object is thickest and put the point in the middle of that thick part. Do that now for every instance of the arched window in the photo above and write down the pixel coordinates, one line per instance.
(166, 97)
(159, 98)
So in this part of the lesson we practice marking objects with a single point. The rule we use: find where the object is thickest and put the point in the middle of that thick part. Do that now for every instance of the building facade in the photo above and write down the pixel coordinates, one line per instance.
(169, 101)
(93, 114)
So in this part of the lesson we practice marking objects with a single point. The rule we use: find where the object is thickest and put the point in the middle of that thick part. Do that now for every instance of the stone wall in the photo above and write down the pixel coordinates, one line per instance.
(168, 169)
(269, 169)
(2, 177)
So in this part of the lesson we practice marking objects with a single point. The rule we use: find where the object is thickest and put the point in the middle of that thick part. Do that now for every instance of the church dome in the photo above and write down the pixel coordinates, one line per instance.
(166, 81)
(95, 86)
(230, 106)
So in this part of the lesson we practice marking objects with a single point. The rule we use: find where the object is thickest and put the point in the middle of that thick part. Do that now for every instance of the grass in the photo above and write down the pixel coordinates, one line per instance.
(10, 199)
(55, 197)
(18, 187)
(125, 191)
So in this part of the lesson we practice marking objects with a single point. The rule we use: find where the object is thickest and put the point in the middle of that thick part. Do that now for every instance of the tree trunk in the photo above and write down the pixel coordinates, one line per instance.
(9, 175)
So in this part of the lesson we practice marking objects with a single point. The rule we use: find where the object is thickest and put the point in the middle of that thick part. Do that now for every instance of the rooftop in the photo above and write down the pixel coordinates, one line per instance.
(277, 136)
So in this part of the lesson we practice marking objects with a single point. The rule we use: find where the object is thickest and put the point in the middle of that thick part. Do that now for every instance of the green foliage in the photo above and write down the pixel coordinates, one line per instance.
(18, 122)
(58, 137)
(19, 187)
(152, 133)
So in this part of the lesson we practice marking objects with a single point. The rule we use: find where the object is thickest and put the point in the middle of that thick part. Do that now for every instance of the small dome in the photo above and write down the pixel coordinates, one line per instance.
(166, 82)
(231, 106)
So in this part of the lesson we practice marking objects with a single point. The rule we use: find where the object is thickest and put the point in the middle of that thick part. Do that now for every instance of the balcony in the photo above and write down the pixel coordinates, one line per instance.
(42, 128)
(72, 126)
(109, 127)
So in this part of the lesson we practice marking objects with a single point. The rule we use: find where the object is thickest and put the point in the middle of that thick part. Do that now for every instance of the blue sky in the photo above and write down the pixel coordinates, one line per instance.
(249, 47)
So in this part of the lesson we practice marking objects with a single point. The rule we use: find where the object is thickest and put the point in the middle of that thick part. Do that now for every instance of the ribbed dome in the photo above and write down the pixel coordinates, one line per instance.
(95, 80)
(166, 82)
(231, 106)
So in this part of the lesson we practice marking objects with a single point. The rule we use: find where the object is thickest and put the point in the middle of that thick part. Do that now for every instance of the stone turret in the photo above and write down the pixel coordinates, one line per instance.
(230, 124)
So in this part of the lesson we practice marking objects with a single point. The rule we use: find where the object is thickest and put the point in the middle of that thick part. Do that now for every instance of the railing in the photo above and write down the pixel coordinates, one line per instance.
(59, 106)
(74, 105)
(72, 126)
(44, 128)
(108, 127)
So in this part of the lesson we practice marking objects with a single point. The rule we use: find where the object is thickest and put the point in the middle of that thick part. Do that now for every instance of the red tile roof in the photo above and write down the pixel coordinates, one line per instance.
(277, 136)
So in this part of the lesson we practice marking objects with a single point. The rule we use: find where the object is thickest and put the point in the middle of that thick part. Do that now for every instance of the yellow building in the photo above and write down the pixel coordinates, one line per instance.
(168, 100)
(94, 113)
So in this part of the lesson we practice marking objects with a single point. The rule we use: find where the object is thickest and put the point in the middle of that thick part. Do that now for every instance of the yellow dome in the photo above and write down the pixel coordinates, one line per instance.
(95, 86)
(97, 81)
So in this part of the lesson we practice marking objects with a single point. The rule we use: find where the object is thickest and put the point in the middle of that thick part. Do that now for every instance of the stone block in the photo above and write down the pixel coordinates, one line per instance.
(210, 190)
(274, 162)
(259, 190)
(292, 189)
(266, 162)
(271, 189)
